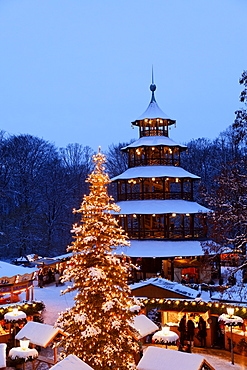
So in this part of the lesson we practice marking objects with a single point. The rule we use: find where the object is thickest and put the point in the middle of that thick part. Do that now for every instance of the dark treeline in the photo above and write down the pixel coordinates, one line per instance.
(39, 187)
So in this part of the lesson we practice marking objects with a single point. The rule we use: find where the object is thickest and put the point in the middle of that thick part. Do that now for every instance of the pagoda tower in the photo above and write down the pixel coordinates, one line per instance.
(164, 223)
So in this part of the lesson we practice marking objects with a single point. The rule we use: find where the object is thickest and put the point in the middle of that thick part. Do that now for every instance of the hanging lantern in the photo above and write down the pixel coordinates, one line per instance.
(15, 311)
(24, 343)
(230, 311)
(166, 329)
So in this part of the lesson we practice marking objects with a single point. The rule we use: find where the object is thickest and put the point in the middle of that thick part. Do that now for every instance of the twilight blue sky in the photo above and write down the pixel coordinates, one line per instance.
(79, 71)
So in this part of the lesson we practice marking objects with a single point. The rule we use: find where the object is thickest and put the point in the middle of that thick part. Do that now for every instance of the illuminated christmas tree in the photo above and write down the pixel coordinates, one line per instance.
(98, 324)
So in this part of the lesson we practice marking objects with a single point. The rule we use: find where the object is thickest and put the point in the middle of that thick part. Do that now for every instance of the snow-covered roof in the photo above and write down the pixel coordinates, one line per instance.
(156, 358)
(167, 285)
(144, 326)
(63, 256)
(71, 362)
(46, 261)
(154, 171)
(161, 248)
(156, 206)
(9, 270)
(154, 141)
(152, 111)
(39, 334)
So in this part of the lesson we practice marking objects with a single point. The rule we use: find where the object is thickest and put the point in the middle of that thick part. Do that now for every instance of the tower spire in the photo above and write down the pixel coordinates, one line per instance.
(153, 87)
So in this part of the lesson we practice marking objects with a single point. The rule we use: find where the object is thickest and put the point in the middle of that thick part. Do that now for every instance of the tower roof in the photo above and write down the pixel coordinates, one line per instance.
(153, 111)
(154, 141)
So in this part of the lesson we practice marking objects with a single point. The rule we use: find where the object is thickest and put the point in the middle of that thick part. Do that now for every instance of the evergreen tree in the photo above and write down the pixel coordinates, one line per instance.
(229, 202)
(98, 324)
(240, 123)
(228, 197)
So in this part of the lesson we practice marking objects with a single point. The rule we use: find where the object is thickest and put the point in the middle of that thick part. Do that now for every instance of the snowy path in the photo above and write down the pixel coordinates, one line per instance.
(54, 301)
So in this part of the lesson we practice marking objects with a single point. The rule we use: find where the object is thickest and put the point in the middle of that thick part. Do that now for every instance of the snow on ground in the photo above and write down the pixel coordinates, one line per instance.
(56, 303)
(53, 300)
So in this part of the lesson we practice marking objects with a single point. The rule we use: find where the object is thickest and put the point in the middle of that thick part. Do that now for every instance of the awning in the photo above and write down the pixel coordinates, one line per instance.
(158, 248)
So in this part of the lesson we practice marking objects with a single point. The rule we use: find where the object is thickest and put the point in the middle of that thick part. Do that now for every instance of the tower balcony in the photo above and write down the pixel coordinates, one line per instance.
(156, 195)
(166, 226)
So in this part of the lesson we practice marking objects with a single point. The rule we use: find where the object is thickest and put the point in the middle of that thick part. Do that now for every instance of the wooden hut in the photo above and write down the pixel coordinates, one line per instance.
(15, 280)
(41, 335)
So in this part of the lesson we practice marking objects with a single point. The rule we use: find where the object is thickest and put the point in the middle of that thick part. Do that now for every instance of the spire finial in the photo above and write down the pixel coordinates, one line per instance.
(153, 86)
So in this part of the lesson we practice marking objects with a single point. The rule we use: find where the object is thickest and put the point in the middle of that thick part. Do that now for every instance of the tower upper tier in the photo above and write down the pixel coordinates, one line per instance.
(153, 121)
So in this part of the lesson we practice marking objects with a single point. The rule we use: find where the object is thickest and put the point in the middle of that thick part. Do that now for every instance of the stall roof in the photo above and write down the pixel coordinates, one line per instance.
(154, 171)
(71, 362)
(160, 248)
(9, 270)
(156, 358)
(39, 334)
(154, 141)
(64, 256)
(46, 261)
(144, 326)
(167, 285)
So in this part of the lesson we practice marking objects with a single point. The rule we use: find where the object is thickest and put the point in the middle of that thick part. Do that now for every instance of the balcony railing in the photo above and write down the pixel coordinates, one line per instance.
(153, 162)
(164, 234)
(155, 195)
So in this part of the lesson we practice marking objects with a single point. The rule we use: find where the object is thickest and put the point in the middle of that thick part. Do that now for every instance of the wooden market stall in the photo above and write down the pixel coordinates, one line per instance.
(168, 312)
(41, 335)
(15, 280)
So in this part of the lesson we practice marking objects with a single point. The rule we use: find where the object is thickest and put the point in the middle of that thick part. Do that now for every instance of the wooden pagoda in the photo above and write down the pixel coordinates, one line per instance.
(155, 195)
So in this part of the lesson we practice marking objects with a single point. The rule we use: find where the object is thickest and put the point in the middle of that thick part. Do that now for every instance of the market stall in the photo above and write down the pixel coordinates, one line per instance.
(15, 280)
(41, 335)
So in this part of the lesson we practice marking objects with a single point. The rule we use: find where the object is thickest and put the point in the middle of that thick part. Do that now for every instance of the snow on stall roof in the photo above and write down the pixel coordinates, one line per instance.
(63, 256)
(39, 334)
(9, 270)
(71, 362)
(154, 171)
(153, 141)
(161, 248)
(166, 359)
(144, 325)
(157, 206)
(167, 285)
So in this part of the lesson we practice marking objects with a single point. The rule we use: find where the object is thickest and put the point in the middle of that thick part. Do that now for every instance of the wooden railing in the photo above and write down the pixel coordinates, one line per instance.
(155, 195)
(153, 162)
(164, 234)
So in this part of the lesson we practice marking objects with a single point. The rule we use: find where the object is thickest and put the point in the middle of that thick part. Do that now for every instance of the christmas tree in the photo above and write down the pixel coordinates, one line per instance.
(98, 325)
